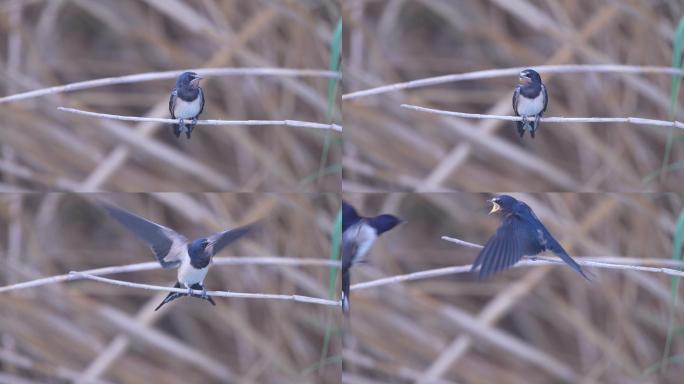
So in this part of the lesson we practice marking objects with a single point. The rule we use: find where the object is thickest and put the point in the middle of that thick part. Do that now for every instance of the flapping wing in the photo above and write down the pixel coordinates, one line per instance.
(516, 96)
(546, 99)
(507, 246)
(220, 240)
(349, 216)
(172, 102)
(161, 239)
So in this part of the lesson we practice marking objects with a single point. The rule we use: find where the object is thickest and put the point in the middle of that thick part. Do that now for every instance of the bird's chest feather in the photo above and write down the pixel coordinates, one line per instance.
(363, 235)
(187, 109)
(189, 275)
(530, 106)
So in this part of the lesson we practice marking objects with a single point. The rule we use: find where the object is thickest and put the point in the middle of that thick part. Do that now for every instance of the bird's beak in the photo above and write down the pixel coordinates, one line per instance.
(196, 81)
(523, 80)
(495, 207)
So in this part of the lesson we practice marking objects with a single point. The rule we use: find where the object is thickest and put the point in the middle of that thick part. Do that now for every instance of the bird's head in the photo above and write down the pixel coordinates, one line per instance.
(384, 223)
(198, 247)
(529, 76)
(503, 204)
(188, 79)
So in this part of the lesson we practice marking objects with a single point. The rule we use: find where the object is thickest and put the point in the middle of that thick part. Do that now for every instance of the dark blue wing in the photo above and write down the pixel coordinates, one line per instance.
(161, 239)
(220, 240)
(546, 99)
(349, 216)
(516, 95)
(172, 103)
(201, 95)
(511, 241)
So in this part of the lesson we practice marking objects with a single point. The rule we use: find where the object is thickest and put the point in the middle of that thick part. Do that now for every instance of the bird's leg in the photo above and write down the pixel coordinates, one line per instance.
(189, 288)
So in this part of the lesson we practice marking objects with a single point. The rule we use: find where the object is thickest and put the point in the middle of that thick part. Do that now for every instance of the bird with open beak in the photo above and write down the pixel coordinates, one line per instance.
(520, 234)
(529, 101)
(186, 102)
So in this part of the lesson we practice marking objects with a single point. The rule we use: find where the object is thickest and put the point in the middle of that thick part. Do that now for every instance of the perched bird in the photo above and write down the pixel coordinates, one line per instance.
(520, 234)
(173, 250)
(358, 235)
(186, 102)
(529, 100)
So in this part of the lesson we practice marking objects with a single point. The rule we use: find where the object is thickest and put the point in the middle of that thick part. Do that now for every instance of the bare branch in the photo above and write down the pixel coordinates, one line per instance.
(242, 295)
(538, 260)
(624, 120)
(282, 72)
(289, 123)
(274, 261)
(489, 73)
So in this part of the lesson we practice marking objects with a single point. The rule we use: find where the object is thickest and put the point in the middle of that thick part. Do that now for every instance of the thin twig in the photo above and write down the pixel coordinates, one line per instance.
(538, 260)
(289, 123)
(273, 261)
(241, 295)
(282, 72)
(627, 120)
(489, 73)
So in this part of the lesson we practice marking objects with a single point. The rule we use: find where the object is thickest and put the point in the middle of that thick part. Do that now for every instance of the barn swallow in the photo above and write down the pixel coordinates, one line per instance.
(186, 102)
(529, 100)
(173, 250)
(358, 235)
(520, 234)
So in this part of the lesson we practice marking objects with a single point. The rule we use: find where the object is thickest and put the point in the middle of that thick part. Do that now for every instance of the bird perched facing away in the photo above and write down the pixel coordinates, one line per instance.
(358, 235)
(186, 102)
(529, 100)
(173, 250)
(520, 234)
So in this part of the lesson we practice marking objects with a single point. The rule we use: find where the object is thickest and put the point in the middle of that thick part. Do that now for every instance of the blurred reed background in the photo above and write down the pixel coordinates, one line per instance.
(391, 148)
(47, 43)
(541, 324)
(82, 329)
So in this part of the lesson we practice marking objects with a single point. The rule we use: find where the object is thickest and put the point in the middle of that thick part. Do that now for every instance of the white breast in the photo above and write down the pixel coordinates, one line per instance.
(187, 109)
(187, 275)
(530, 107)
(364, 235)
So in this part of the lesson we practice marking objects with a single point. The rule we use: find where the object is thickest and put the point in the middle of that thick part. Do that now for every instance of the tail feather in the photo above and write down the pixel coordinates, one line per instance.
(520, 125)
(175, 295)
(345, 290)
(176, 130)
(171, 296)
(347, 336)
(557, 249)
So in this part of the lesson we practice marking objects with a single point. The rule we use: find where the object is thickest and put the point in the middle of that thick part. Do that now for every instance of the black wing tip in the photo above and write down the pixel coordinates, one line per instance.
(586, 275)
(521, 128)
(171, 297)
